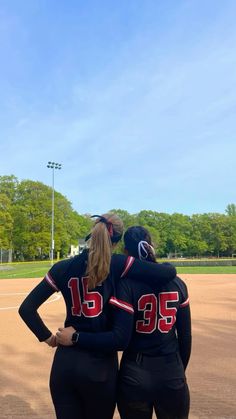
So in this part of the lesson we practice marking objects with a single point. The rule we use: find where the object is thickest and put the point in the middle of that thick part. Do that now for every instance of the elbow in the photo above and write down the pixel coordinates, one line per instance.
(23, 311)
(122, 344)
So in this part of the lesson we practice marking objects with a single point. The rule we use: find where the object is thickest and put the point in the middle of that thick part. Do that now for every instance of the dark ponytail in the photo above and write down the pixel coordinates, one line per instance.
(138, 243)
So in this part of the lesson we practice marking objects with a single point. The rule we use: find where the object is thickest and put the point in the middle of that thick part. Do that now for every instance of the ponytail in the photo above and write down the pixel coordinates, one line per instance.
(108, 229)
(146, 251)
(138, 243)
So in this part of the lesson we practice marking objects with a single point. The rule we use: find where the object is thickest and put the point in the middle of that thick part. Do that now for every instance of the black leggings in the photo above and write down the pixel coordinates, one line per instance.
(157, 383)
(83, 384)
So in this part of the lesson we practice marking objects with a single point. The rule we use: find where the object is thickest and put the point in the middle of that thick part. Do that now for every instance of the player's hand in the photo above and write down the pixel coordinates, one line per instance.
(51, 341)
(64, 335)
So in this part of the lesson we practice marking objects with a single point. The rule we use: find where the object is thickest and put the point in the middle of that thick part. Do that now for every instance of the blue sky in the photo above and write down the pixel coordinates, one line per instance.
(136, 99)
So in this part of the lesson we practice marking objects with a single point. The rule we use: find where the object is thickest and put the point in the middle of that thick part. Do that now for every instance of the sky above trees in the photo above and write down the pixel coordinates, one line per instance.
(135, 98)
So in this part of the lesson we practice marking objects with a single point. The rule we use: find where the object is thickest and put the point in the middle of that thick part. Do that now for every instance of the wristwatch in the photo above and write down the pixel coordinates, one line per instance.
(75, 338)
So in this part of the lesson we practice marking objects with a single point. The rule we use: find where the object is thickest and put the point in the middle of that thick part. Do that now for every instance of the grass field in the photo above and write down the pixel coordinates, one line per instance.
(39, 269)
(24, 270)
(206, 269)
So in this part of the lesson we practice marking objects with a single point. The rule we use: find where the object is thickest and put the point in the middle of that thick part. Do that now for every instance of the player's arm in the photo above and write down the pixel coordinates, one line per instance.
(183, 327)
(147, 272)
(28, 309)
(50, 284)
(116, 339)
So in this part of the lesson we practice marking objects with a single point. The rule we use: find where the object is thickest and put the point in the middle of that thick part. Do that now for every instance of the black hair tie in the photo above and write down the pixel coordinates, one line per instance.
(102, 219)
(115, 238)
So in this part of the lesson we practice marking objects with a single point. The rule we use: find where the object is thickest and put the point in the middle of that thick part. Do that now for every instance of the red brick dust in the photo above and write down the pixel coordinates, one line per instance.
(211, 374)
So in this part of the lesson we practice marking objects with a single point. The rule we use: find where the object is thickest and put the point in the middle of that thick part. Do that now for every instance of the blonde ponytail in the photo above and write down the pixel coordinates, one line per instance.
(107, 229)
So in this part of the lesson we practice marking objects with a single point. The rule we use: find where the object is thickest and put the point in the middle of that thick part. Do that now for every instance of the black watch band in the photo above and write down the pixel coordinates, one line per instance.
(75, 338)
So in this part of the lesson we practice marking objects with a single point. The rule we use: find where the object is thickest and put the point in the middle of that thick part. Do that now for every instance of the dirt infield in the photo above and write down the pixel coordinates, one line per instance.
(25, 363)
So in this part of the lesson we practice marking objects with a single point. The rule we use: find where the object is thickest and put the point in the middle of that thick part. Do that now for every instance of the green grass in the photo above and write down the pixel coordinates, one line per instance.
(39, 269)
(206, 269)
(24, 270)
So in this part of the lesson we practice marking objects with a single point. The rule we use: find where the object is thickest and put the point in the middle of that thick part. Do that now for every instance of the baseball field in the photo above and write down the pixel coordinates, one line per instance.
(25, 363)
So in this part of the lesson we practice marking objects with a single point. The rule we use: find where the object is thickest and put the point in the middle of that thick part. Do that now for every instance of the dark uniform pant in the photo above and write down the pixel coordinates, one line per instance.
(83, 384)
(152, 382)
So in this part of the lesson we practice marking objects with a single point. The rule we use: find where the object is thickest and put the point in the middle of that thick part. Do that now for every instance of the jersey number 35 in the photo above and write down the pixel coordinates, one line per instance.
(157, 312)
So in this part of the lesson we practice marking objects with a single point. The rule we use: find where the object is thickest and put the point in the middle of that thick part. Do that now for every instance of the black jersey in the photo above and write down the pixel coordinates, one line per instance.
(86, 310)
(155, 314)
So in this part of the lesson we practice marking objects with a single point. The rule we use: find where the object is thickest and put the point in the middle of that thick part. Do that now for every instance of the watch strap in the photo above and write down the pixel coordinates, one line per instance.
(75, 337)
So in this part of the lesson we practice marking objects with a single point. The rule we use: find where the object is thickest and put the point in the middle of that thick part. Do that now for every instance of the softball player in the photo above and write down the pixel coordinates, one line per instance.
(152, 372)
(83, 382)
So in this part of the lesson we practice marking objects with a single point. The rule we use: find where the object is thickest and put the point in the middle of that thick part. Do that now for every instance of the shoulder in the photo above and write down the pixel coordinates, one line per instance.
(62, 264)
(58, 266)
(118, 263)
(80, 261)
(179, 281)
(77, 263)
(118, 259)
(182, 287)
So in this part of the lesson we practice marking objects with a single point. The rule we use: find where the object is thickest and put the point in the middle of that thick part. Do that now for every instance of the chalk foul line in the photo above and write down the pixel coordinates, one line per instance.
(55, 298)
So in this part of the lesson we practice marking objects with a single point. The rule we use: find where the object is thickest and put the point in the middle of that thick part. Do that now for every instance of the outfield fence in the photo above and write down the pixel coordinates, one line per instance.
(6, 258)
(203, 262)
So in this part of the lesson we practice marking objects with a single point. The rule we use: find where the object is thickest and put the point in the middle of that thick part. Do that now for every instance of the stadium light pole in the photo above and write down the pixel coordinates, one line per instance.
(52, 165)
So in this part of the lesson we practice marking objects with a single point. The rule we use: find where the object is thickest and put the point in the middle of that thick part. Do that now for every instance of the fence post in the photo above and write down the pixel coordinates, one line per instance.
(9, 255)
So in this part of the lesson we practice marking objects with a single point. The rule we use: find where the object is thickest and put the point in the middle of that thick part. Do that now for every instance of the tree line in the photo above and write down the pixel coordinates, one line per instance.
(25, 225)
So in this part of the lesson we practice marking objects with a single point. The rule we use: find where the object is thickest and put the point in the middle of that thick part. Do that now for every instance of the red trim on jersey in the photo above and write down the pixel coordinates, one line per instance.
(51, 281)
(185, 303)
(121, 304)
(129, 262)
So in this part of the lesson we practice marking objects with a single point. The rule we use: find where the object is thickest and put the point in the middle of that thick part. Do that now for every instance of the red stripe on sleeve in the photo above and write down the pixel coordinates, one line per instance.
(121, 304)
(51, 282)
(185, 303)
(129, 262)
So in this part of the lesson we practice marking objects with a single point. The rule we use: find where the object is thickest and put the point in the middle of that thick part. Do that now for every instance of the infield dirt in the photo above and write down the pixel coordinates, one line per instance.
(25, 363)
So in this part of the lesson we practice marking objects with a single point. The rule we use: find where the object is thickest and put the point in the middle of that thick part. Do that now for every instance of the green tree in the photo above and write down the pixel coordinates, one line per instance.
(217, 237)
(32, 212)
(8, 186)
(180, 232)
(197, 245)
(230, 233)
(127, 218)
(158, 225)
(6, 222)
(69, 225)
(32, 222)
(25, 225)
(231, 210)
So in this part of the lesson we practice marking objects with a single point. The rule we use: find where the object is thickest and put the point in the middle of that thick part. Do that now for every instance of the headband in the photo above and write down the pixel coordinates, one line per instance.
(115, 237)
